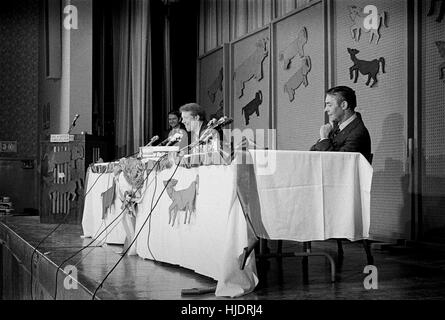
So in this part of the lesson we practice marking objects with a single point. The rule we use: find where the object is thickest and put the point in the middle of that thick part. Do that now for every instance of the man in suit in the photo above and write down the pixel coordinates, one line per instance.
(194, 118)
(345, 131)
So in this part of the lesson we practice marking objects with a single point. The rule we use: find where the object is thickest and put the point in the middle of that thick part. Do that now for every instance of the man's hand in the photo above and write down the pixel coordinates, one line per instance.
(325, 130)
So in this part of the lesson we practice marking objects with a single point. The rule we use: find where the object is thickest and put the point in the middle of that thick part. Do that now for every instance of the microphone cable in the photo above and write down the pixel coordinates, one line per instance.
(136, 236)
(59, 225)
(50, 233)
(105, 229)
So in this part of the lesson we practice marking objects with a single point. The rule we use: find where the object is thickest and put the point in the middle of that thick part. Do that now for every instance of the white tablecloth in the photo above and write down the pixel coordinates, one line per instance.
(291, 195)
(92, 222)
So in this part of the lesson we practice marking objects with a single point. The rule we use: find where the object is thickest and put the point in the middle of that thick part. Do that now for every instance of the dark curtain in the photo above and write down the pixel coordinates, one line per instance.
(132, 59)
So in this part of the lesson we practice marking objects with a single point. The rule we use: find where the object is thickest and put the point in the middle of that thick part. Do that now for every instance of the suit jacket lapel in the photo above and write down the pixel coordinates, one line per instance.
(341, 136)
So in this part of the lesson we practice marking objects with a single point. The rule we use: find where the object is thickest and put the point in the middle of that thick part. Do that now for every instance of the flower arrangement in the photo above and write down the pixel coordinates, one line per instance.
(133, 171)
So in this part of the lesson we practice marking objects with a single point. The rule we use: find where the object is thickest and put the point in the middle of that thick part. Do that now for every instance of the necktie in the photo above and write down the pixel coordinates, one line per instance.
(336, 131)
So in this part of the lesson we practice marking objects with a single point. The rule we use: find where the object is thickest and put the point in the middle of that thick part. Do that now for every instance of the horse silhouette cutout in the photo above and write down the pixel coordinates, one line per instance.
(296, 47)
(183, 200)
(219, 112)
(432, 9)
(369, 68)
(252, 67)
(216, 86)
(299, 78)
(441, 47)
(358, 17)
(253, 107)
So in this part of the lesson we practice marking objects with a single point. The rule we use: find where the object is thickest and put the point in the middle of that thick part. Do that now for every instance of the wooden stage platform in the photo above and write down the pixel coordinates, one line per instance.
(403, 273)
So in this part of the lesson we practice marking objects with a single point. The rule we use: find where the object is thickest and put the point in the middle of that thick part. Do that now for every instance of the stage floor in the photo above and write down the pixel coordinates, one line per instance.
(403, 273)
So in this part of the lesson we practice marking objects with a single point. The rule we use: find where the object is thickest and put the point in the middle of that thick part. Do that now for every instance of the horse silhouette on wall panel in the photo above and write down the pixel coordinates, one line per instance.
(296, 47)
(253, 107)
(252, 67)
(299, 78)
(369, 68)
(432, 9)
(358, 17)
(441, 47)
(217, 85)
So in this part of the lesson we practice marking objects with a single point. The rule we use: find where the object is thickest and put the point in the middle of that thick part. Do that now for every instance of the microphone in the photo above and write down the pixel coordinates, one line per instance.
(153, 140)
(174, 138)
(211, 122)
(73, 124)
(223, 121)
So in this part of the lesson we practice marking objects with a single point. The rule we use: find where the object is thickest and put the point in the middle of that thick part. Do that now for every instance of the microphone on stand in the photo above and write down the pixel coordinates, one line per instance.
(223, 121)
(73, 124)
(152, 140)
(211, 122)
(174, 138)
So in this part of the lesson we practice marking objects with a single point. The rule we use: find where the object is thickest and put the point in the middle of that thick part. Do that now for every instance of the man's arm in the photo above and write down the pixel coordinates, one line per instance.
(323, 145)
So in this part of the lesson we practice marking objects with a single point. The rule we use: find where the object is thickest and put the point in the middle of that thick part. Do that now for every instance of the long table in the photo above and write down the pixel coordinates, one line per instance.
(280, 195)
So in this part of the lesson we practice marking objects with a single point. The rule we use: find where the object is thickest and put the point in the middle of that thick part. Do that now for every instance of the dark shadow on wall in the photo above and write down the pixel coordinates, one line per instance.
(432, 224)
(390, 196)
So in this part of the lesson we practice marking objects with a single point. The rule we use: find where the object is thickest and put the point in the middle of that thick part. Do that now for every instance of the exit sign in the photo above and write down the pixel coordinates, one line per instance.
(8, 146)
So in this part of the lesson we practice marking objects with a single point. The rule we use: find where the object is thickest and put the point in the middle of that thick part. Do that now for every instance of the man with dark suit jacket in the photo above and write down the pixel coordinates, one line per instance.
(345, 131)
(194, 119)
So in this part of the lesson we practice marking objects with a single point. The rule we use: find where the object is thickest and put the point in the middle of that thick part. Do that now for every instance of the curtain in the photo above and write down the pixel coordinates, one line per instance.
(132, 74)
(227, 20)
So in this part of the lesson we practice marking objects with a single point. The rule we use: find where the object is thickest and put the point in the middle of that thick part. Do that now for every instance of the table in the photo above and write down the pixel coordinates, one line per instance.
(286, 195)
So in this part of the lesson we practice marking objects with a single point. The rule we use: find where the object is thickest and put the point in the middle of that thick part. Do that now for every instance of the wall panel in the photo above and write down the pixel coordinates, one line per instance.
(432, 126)
(250, 84)
(298, 121)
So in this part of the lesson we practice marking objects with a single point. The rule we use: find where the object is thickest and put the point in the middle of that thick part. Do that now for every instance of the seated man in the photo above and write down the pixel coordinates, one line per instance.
(176, 126)
(345, 131)
(193, 117)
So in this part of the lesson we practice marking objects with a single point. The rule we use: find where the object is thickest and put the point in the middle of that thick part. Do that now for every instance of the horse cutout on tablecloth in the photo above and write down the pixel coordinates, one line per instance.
(252, 67)
(183, 200)
(370, 68)
(358, 17)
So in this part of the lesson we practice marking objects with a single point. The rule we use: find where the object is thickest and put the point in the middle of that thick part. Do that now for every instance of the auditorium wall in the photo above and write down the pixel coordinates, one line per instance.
(19, 41)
